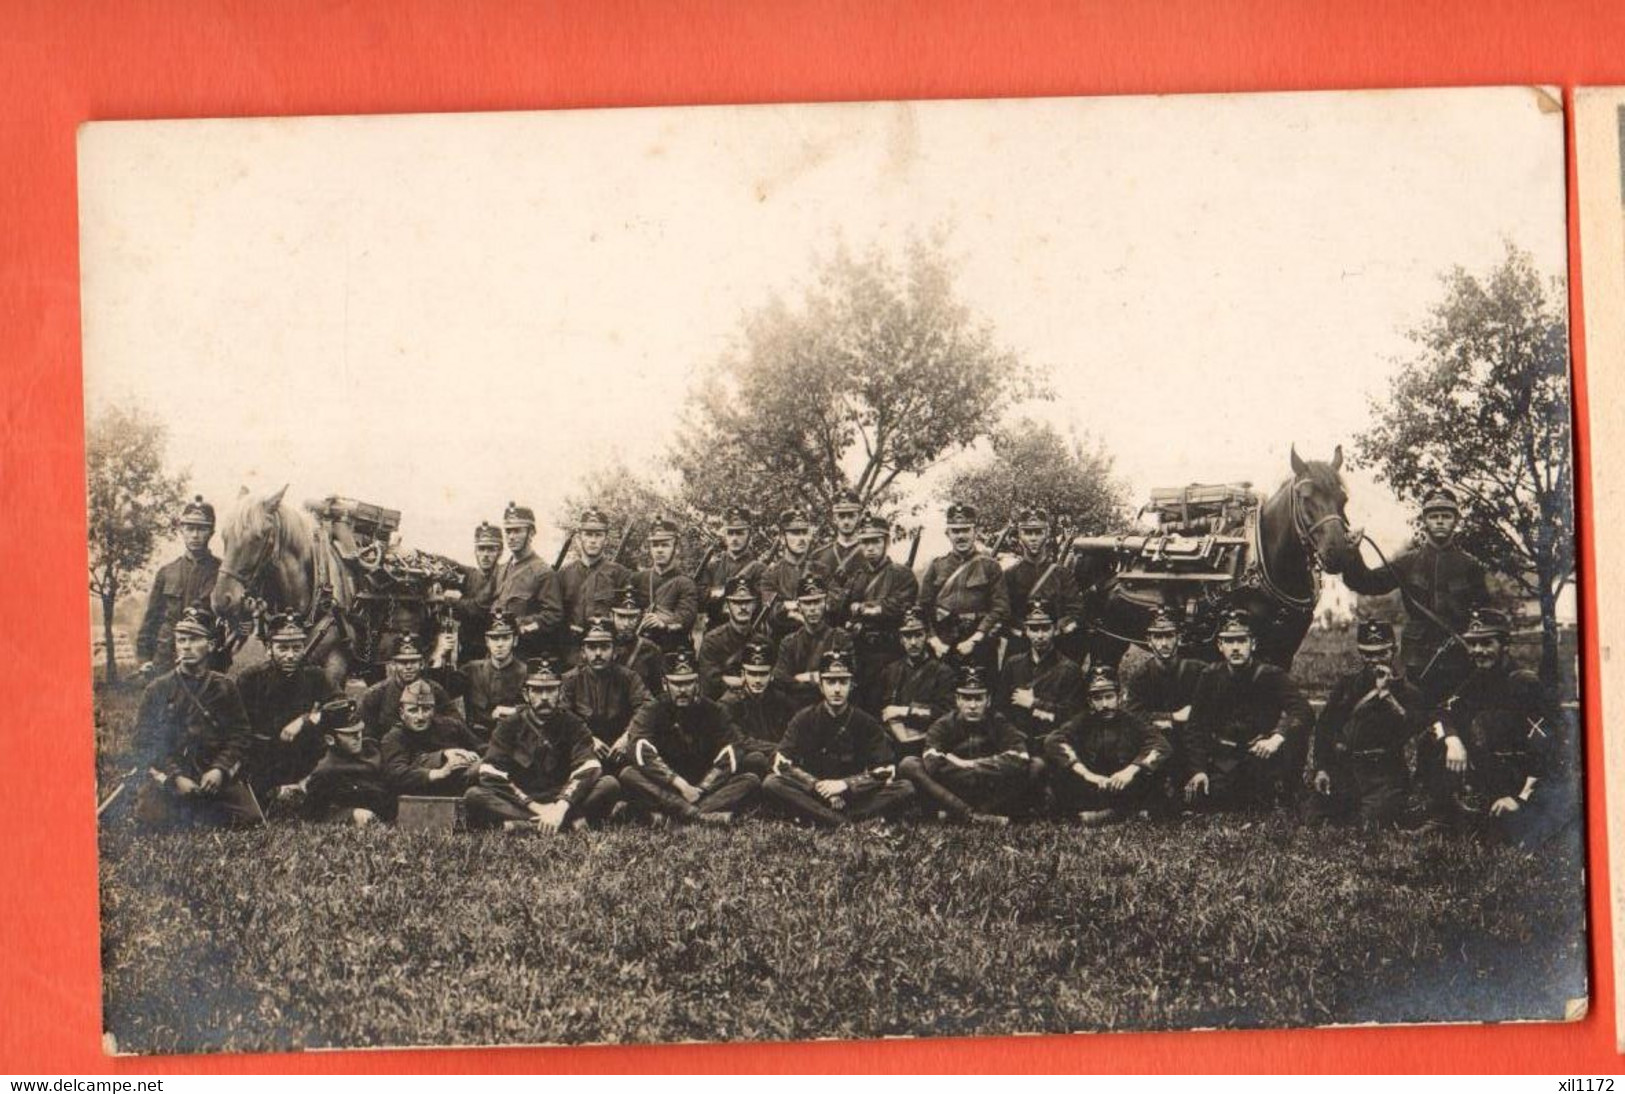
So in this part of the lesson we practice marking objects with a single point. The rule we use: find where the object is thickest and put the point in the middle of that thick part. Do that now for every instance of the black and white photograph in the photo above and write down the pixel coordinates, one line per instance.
(862, 570)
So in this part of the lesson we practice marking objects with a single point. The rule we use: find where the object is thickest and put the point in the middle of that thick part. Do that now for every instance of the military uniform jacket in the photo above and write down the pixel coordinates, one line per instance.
(380, 706)
(1504, 718)
(589, 590)
(667, 740)
(820, 745)
(720, 652)
(722, 569)
(273, 698)
(925, 687)
(672, 598)
(605, 700)
(1157, 688)
(473, 608)
(187, 725)
(341, 778)
(890, 587)
(1106, 745)
(1449, 582)
(178, 585)
(528, 589)
(961, 594)
(1059, 590)
(1232, 709)
(840, 564)
(1058, 692)
(642, 657)
(551, 760)
(779, 584)
(410, 754)
(800, 653)
(761, 718)
(1355, 725)
(993, 736)
(484, 687)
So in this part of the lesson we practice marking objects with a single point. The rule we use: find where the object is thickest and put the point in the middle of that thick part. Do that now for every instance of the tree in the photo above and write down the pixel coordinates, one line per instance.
(880, 373)
(630, 501)
(131, 501)
(1484, 408)
(1032, 464)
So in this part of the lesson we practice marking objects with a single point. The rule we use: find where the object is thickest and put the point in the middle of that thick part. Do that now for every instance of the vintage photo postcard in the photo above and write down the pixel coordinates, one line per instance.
(854, 571)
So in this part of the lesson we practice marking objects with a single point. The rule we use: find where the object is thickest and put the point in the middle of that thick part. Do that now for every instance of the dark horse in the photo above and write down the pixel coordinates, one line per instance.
(1300, 530)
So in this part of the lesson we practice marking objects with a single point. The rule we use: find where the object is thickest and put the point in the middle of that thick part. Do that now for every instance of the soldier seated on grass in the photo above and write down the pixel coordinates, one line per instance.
(1361, 734)
(540, 772)
(429, 754)
(1103, 763)
(687, 758)
(835, 765)
(349, 785)
(192, 738)
(976, 766)
(280, 694)
(380, 706)
(603, 694)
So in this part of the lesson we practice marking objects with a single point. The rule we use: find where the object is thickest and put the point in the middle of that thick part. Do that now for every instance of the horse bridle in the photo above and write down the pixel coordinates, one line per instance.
(249, 581)
(1306, 535)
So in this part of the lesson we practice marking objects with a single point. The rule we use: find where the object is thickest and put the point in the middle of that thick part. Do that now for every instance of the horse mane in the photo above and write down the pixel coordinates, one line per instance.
(248, 517)
(1321, 473)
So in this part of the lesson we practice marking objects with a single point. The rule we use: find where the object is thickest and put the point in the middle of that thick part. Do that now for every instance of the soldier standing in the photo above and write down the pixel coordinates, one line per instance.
(527, 588)
(671, 599)
(876, 594)
(915, 690)
(631, 648)
(280, 694)
(380, 706)
(1038, 575)
(976, 766)
(428, 754)
(589, 581)
(722, 645)
(686, 758)
(1103, 763)
(192, 738)
(1361, 734)
(1248, 729)
(184, 583)
(472, 604)
(834, 765)
(796, 669)
(1042, 687)
(836, 559)
(1161, 688)
(782, 580)
(735, 561)
(603, 694)
(964, 597)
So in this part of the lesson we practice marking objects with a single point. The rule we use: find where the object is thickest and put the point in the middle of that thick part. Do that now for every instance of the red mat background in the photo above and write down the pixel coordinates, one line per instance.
(63, 63)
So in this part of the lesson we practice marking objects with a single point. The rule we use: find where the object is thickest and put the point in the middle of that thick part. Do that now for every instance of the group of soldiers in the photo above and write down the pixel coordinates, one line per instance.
(832, 686)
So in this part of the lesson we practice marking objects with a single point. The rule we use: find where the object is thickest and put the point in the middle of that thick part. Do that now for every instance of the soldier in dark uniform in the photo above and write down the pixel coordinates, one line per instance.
(1440, 580)
(1484, 758)
(429, 754)
(760, 708)
(492, 687)
(1041, 688)
(631, 648)
(603, 694)
(1103, 763)
(915, 690)
(471, 604)
(280, 694)
(722, 645)
(589, 581)
(838, 558)
(1038, 575)
(781, 581)
(1361, 734)
(874, 596)
(1160, 691)
(1249, 727)
(734, 561)
(192, 738)
(976, 765)
(963, 597)
(380, 706)
(687, 756)
(796, 669)
(184, 583)
(349, 785)
(527, 587)
(834, 765)
(671, 599)
(540, 772)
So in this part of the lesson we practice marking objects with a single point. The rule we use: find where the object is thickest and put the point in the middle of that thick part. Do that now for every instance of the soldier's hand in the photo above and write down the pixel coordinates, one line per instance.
(600, 748)
(1268, 746)
(291, 731)
(551, 817)
(938, 646)
(146, 668)
(504, 711)
(184, 786)
(689, 791)
(213, 779)
(967, 647)
(893, 713)
(1023, 697)
(830, 789)
(1121, 780)
(1197, 785)
(1323, 783)
(451, 594)
(1504, 805)
(1455, 755)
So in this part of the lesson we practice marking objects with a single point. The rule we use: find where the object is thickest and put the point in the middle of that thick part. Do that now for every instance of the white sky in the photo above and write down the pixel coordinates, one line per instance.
(440, 313)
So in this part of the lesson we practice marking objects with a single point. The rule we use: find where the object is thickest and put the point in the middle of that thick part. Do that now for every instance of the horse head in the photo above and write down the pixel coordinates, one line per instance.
(251, 541)
(1319, 511)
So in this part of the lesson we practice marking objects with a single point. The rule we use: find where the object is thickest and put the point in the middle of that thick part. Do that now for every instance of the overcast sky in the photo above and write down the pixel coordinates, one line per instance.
(442, 313)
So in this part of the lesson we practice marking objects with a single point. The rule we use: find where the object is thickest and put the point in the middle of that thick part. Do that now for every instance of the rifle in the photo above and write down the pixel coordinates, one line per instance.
(914, 547)
(564, 551)
(705, 560)
(124, 780)
(1003, 538)
(620, 544)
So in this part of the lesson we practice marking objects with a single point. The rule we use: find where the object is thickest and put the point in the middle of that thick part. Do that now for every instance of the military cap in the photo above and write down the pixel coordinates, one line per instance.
(540, 672)
(835, 665)
(873, 527)
(337, 715)
(1488, 623)
(1032, 517)
(487, 534)
(626, 600)
(592, 519)
(600, 631)
(501, 625)
(811, 587)
(1441, 500)
(1038, 615)
(1374, 634)
(678, 667)
(960, 513)
(736, 518)
(1102, 678)
(199, 512)
(739, 591)
(284, 627)
(757, 655)
(794, 520)
(407, 650)
(196, 620)
(1236, 625)
(913, 622)
(419, 692)
(971, 680)
(662, 528)
(1163, 621)
(518, 516)
(847, 502)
